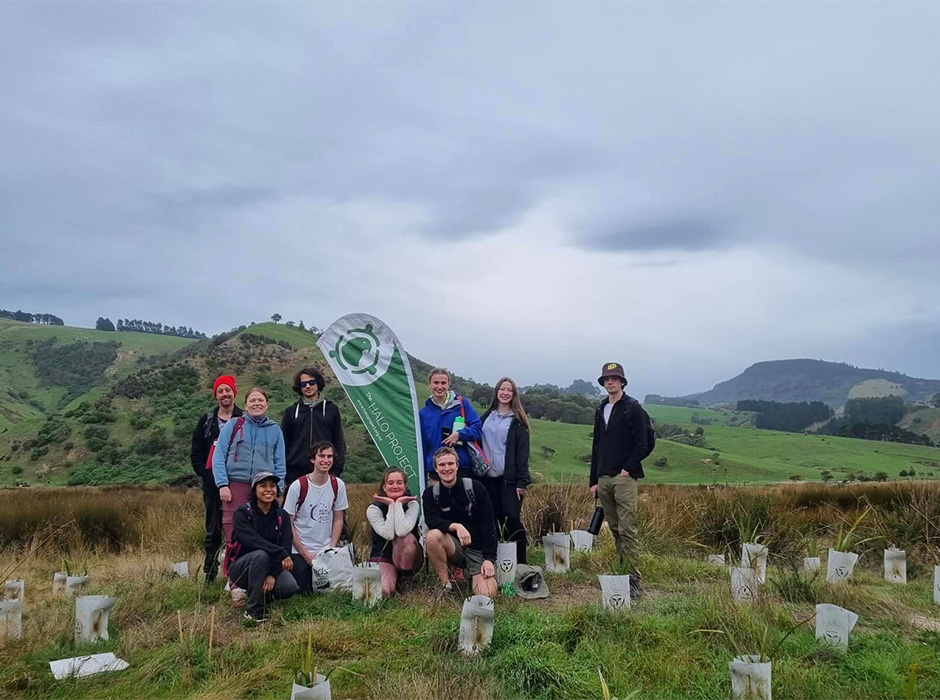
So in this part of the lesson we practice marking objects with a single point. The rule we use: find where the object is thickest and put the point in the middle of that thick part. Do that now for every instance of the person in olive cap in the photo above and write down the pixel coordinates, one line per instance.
(620, 442)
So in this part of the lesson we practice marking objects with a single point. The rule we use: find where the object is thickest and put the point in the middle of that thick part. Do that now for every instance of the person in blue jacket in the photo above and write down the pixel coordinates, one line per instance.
(248, 445)
(448, 420)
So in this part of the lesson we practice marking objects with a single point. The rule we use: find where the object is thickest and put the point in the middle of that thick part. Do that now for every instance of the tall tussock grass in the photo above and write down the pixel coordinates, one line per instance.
(673, 518)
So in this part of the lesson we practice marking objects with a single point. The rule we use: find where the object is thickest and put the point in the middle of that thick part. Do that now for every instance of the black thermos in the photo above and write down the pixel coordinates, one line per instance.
(596, 520)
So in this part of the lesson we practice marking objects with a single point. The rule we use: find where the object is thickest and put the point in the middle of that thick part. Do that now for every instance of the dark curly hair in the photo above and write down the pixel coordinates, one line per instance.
(312, 372)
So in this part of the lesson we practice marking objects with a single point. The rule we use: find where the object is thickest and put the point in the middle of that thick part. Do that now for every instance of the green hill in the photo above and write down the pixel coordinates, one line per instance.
(808, 380)
(90, 407)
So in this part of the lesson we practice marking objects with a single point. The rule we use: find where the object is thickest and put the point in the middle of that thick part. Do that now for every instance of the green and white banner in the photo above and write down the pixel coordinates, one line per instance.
(371, 364)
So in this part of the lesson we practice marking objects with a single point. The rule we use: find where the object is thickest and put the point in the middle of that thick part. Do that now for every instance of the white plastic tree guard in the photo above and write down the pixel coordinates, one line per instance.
(181, 569)
(936, 585)
(615, 592)
(715, 559)
(812, 564)
(833, 625)
(744, 583)
(80, 666)
(840, 566)
(506, 559)
(91, 617)
(319, 691)
(11, 619)
(750, 678)
(754, 555)
(557, 552)
(582, 540)
(476, 624)
(76, 584)
(896, 565)
(14, 590)
(367, 583)
(58, 582)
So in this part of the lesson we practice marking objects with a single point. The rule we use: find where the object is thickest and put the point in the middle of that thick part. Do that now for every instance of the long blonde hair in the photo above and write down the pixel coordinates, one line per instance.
(517, 409)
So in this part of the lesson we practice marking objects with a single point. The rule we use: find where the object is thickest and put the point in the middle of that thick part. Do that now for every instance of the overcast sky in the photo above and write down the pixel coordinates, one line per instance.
(531, 188)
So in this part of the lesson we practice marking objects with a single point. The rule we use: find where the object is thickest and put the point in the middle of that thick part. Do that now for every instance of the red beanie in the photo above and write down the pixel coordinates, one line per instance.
(225, 379)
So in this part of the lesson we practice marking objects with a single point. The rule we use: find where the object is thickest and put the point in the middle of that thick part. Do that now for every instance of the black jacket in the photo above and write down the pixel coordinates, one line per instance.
(206, 432)
(454, 507)
(270, 533)
(303, 426)
(618, 444)
(517, 473)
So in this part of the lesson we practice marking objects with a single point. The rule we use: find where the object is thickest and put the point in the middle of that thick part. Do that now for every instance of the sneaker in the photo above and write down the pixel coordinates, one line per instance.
(445, 590)
(250, 620)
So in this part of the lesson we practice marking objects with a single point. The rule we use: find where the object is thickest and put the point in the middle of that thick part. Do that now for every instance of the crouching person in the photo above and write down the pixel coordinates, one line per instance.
(259, 554)
(461, 527)
(394, 520)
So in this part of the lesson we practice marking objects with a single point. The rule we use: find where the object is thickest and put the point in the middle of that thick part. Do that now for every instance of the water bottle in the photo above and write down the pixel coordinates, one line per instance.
(459, 423)
(596, 520)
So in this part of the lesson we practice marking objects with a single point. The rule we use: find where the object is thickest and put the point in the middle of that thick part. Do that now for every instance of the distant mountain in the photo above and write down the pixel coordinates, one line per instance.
(808, 380)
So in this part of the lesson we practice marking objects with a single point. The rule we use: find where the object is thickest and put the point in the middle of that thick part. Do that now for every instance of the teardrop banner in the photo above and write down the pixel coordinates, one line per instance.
(371, 364)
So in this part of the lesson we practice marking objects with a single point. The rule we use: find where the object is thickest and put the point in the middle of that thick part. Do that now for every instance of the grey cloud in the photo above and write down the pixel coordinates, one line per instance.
(685, 235)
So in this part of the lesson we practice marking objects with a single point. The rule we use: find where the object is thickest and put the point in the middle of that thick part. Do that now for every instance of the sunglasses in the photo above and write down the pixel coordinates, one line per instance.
(309, 382)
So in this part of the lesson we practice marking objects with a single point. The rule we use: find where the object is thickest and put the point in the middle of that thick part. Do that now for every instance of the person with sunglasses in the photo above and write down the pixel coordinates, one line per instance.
(311, 420)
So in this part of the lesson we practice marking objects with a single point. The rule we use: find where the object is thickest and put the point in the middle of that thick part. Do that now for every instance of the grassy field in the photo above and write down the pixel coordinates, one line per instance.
(407, 647)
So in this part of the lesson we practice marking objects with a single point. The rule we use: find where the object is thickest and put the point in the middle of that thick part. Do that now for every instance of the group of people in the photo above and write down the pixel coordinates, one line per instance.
(247, 462)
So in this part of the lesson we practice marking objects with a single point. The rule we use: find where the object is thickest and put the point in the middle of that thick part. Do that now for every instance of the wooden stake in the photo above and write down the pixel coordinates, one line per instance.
(179, 619)
(211, 633)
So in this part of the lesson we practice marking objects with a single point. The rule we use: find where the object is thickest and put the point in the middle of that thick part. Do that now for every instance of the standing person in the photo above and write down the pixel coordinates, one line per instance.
(200, 455)
(461, 527)
(448, 420)
(506, 444)
(394, 519)
(259, 556)
(248, 445)
(316, 503)
(620, 443)
(311, 420)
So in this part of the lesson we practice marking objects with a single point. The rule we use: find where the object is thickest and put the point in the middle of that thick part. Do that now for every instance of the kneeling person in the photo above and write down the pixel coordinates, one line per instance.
(461, 527)
(394, 520)
(259, 556)
(316, 503)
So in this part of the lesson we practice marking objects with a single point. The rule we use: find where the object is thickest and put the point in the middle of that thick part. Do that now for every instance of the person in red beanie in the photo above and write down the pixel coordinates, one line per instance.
(200, 455)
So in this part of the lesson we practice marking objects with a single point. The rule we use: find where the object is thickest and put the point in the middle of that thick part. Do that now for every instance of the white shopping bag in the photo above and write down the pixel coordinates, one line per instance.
(334, 566)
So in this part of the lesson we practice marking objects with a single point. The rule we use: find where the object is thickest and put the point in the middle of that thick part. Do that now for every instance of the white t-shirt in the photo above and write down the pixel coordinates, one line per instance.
(607, 409)
(314, 521)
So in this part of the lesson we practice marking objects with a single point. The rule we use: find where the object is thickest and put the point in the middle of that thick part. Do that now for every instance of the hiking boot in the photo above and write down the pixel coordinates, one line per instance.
(636, 588)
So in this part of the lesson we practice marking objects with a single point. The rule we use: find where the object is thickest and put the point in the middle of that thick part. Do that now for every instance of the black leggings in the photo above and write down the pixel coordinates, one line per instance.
(507, 508)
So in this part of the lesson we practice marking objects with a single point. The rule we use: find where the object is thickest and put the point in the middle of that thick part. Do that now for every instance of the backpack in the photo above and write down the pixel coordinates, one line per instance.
(239, 423)
(467, 487)
(650, 431)
(234, 548)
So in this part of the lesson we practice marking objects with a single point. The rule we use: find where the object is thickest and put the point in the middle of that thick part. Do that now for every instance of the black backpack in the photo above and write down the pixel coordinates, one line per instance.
(650, 431)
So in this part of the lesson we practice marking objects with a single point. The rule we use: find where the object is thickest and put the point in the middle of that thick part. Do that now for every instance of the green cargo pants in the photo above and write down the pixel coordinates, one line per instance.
(618, 497)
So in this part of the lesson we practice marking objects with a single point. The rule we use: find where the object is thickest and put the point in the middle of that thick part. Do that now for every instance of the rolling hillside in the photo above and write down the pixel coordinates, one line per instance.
(93, 407)
(809, 380)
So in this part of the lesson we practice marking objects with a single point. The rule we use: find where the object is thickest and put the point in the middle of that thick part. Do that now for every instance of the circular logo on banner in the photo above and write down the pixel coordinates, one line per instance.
(362, 356)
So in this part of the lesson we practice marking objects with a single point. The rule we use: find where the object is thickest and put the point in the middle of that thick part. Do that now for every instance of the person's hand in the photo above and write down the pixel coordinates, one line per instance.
(488, 570)
(308, 557)
(593, 490)
(624, 472)
(383, 499)
(463, 534)
(452, 439)
(520, 493)
(225, 493)
(268, 585)
(287, 563)
(404, 500)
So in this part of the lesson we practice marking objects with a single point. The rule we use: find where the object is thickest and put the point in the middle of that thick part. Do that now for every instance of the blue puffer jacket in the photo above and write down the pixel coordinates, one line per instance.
(434, 419)
(255, 448)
